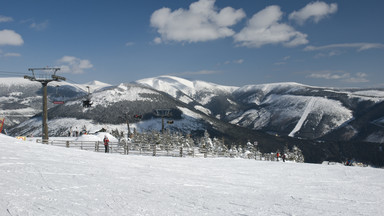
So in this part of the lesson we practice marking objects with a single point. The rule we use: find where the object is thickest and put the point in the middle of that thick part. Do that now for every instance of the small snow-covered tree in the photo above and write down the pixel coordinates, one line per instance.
(205, 144)
(240, 151)
(249, 150)
(190, 143)
(233, 151)
(219, 147)
(208, 141)
(296, 155)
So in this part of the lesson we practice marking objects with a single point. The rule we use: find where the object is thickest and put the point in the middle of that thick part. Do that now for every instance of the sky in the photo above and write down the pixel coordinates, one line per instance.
(236, 43)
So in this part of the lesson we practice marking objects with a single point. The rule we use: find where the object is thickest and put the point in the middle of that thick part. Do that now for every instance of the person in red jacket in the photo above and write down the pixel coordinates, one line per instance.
(106, 143)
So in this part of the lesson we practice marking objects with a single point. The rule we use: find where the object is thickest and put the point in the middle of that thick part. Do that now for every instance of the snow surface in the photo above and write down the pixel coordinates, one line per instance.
(173, 85)
(203, 109)
(94, 85)
(189, 123)
(119, 93)
(39, 179)
(17, 81)
(267, 88)
(291, 106)
(300, 123)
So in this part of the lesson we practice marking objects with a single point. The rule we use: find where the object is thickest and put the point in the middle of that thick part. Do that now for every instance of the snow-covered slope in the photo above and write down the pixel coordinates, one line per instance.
(280, 108)
(110, 110)
(178, 88)
(287, 109)
(298, 110)
(93, 86)
(37, 179)
(20, 99)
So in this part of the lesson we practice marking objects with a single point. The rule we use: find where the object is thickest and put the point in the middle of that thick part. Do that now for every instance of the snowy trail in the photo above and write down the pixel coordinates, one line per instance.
(303, 117)
(37, 179)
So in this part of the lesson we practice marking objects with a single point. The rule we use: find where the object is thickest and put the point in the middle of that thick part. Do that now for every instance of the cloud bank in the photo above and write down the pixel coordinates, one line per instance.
(39, 26)
(264, 28)
(9, 37)
(315, 11)
(201, 22)
(71, 64)
(358, 46)
(340, 75)
(5, 19)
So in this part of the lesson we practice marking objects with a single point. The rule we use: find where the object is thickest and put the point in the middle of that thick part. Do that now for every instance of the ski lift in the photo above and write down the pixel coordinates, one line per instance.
(87, 102)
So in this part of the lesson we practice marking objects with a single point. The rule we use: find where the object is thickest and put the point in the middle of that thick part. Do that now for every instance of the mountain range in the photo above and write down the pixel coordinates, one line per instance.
(326, 123)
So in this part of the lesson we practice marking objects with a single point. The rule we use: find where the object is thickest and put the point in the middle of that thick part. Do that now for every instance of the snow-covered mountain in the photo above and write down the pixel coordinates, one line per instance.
(204, 96)
(113, 106)
(301, 111)
(272, 114)
(285, 109)
(20, 99)
(199, 91)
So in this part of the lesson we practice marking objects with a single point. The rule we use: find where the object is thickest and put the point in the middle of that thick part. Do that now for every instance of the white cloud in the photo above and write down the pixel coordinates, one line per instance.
(9, 37)
(157, 40)
(358, 78)
(264, 28)
(313, 11)
(12, 54)
(286, 58)
(358, 46)
(328, 54)
(340, 75)
(129, 44)
(280, 63)
(201, 72)
(39, 26)
(284, 61)
(5, 19)
(238, 61)
(201, 22)
(71, 64)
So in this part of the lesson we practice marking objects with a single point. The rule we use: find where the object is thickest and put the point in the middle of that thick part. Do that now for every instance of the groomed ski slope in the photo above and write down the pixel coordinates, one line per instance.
(300, 123)
(37, 179)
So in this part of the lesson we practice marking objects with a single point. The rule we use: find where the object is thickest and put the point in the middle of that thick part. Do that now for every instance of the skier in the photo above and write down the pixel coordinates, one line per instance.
(277, 156)
(283, 157)
(106, 143)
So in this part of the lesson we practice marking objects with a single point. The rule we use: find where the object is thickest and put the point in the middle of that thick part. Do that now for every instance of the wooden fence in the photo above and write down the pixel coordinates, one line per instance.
(156, 149)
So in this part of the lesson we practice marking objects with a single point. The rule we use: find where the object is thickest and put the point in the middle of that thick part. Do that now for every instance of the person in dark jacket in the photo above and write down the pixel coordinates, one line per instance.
(106, 144)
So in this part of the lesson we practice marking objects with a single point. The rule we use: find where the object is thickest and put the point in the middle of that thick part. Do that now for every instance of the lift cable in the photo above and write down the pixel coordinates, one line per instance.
(8, 73)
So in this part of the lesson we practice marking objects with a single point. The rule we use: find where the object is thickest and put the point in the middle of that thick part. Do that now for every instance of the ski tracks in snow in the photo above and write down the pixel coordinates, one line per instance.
(303, 117)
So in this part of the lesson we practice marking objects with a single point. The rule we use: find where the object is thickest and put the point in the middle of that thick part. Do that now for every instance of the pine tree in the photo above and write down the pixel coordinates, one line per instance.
(233, 151)
(297, 155)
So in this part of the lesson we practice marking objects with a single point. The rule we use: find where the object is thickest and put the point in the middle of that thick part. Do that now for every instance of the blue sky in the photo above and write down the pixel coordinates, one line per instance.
(229, 42)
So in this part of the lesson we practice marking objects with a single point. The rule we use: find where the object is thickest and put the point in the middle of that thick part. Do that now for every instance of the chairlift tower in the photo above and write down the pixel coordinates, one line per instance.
(44, 76)
(162, 113)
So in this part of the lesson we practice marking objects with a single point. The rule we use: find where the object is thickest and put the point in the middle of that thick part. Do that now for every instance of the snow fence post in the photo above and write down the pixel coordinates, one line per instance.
(97, 146)
(126, 148)
(154, 150)
(67, 144)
